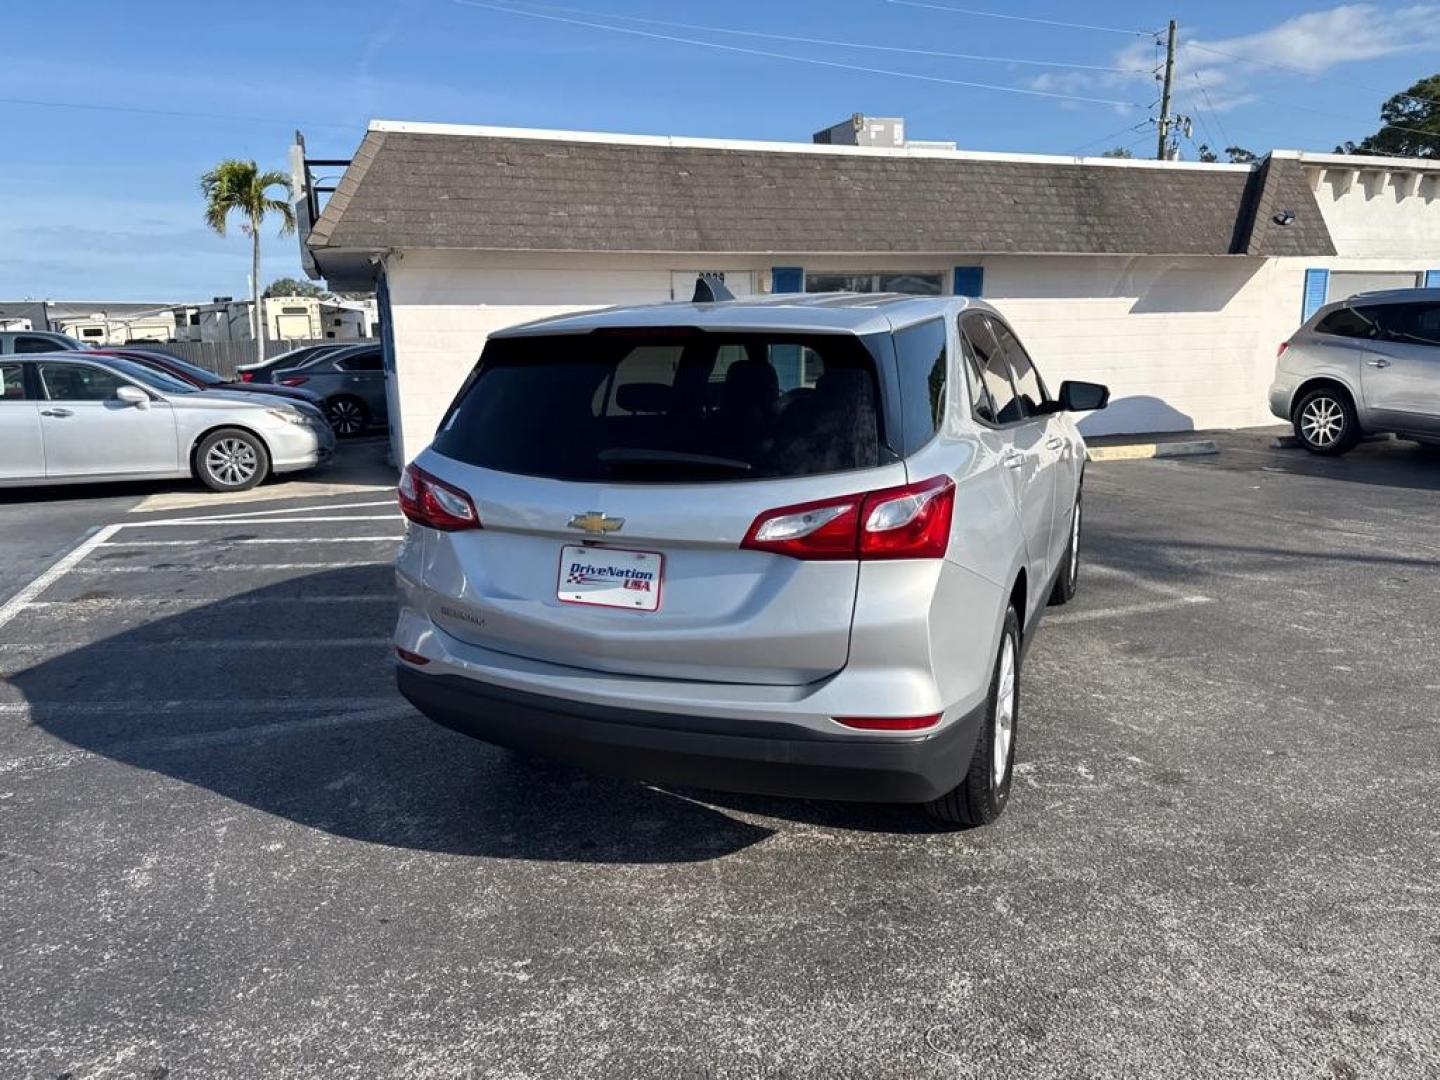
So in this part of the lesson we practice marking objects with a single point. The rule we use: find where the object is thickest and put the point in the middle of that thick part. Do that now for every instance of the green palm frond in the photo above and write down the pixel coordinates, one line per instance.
(235, 185)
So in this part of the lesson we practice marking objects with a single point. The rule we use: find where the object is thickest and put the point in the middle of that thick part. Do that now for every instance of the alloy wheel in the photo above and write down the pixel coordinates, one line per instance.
(1322, 421)
(1075, 546)
(232, 461)
(346, 417)
(1004, 712)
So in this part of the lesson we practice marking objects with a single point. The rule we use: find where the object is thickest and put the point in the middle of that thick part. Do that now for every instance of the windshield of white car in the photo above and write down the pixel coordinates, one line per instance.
(156, 380)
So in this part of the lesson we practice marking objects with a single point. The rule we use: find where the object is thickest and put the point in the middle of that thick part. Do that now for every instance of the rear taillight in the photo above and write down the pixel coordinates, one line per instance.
(246, 376)
(411, 657)
(909, 522)
(889, 723)
(294, 380)
(434, 503)
(1281, 351)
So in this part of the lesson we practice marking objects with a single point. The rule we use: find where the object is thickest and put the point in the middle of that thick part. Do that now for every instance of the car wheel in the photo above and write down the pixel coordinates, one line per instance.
(347, 415)
(231, 460)
(981, 796)
(1068, 580)
(1325, 421)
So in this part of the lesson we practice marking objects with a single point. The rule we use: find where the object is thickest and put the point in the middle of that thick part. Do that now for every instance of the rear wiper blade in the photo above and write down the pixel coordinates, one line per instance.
(622, 457)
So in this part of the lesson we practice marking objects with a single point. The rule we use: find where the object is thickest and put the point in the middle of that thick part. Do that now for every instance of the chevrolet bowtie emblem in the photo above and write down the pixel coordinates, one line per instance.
(596, 523)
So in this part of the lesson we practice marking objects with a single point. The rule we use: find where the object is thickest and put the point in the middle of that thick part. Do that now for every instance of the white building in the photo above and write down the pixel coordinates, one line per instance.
(1172, 282)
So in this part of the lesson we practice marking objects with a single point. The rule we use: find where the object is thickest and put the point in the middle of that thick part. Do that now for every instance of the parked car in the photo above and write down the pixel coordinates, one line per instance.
(264, 373)
(352, 382)
(794, 548)
(76, 418)
(35, 341)
(205, 379)
(1369, 364)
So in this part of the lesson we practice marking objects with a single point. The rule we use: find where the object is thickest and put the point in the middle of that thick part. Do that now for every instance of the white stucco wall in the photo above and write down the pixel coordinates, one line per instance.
(1380, 212)
(1183, 342)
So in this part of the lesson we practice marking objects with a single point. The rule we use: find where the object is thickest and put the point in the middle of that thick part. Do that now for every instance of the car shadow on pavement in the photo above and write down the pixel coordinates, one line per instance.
(177, 697)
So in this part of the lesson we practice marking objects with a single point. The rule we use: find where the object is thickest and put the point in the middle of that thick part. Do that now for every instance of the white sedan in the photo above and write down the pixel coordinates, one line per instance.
(70, 418)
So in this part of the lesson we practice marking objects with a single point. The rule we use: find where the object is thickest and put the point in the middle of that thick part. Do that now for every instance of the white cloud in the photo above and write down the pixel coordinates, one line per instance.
(1309, 44)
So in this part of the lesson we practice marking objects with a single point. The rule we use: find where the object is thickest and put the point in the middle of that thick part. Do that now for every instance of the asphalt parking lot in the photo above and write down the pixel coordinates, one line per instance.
(227, 848)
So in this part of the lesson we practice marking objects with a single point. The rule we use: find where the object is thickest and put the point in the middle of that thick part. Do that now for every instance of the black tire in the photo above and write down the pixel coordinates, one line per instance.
(981, 796)
(349, 416)
(1325, 421)
(231, 459)
(1068, 580)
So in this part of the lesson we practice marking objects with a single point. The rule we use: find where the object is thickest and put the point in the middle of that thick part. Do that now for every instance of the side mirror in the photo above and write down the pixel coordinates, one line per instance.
(1083, 396)
(133, 395)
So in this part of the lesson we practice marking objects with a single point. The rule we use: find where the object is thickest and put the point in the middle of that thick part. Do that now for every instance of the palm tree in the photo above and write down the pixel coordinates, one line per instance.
(240, 185)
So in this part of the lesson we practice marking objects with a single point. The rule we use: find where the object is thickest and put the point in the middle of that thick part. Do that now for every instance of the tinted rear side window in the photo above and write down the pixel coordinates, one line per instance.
(994, 370)
(1345, 322)
(669, 406)
(920, 350)
(1407, 324)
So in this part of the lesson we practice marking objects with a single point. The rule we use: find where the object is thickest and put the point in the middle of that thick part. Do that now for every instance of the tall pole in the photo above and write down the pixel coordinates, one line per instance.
(1162, 149)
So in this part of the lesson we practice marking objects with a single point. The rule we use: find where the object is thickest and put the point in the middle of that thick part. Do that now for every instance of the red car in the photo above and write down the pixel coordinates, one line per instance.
(206, 379)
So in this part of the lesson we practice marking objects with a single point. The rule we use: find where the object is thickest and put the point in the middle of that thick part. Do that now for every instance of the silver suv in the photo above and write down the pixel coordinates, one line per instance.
(791, 546)
(1366, 365)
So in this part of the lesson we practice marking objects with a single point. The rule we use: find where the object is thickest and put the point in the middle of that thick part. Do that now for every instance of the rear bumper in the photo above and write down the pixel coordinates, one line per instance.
(1281, 395)
(757, 757)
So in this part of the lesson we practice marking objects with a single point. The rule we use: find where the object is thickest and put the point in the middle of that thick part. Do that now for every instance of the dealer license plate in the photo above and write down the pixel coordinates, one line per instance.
(610, 577)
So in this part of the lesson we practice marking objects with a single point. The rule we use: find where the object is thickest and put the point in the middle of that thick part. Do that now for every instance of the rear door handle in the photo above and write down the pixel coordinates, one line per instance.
(1378, 361)
(1012, 459)
(1055, 442)
(56, 412)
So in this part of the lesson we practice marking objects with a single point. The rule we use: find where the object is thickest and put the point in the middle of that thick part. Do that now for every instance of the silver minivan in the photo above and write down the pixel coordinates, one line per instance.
(1369, 364)
(796, 545)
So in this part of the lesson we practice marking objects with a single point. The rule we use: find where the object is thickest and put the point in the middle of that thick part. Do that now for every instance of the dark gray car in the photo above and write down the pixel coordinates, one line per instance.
(35, 341)
(352, 382)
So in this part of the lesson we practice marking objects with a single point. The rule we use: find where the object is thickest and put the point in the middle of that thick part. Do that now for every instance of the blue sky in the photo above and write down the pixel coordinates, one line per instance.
(103, 204)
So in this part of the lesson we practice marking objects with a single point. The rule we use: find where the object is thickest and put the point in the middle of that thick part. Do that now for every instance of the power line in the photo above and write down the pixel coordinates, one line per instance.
(1022, 18)
(1278, 65)
(797, 59)
(1211, 106)
(1113, 135)
(848, 44)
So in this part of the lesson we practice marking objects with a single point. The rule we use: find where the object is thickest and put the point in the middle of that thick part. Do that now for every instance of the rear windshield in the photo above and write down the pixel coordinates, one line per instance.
(669, 406)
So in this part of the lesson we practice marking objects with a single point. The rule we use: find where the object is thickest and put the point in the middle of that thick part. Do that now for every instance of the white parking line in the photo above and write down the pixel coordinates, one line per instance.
(208, 740)
(1137, 580)
(192, 705)
(58, 569)
(108, 602)
(253, 540)
(1128, 609)
(289, 510)
(227, 567)
(191, 643)
(193, 522)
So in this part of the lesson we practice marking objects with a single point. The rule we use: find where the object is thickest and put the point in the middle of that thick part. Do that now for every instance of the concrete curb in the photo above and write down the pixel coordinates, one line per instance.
(1141, 451)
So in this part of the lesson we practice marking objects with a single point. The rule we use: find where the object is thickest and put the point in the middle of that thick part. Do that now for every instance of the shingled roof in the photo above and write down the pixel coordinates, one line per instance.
(498, 190)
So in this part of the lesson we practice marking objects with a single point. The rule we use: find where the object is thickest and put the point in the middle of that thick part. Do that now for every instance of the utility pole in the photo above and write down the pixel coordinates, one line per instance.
(1162, 150)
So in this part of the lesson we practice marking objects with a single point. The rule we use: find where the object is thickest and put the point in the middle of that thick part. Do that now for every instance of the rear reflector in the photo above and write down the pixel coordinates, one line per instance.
(411, 657)
(435, 504)
(909, 522)
(889, 723)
